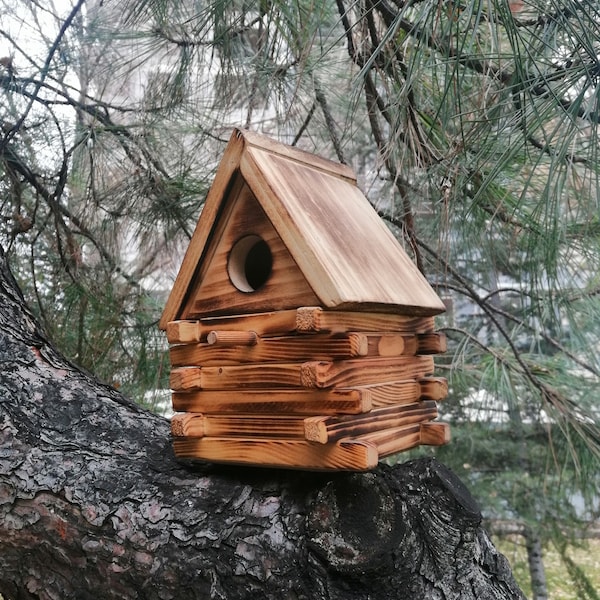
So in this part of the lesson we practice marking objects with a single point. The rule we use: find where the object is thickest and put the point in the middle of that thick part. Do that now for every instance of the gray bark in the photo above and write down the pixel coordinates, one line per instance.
(535, 560)
(93, 504)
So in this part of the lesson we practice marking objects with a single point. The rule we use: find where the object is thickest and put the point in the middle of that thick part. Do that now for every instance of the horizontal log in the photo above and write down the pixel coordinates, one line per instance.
(185, 379)
(264, 324)
(284, 401)
(246, 347)
(433, 388)
(302, 320)
(306, 401)
(326, 429)
(251, 426)
(365, 371)
(183, 332)
(395, 392)
(322, 429)
(407, 391)
(354, 454)
(188, 424)
(296, 454)
(294, 348)
(312, 374)
(312, 318)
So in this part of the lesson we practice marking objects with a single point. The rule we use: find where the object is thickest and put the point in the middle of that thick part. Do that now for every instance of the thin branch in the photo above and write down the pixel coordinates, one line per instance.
(525, 326)
(60, 210)
(485, 67)
(305, 123)
(44, 73)
(558, 401)
(329, 121)
(408, 224)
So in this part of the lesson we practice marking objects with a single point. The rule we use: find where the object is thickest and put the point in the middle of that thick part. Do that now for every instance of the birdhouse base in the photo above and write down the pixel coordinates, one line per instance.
(308, 388)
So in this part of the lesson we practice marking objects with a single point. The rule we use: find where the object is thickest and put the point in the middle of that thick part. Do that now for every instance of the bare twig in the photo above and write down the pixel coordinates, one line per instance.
(329, 121)
(44, 73)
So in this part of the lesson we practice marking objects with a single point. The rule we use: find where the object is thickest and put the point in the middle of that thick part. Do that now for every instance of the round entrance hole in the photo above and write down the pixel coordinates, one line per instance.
(250, 263)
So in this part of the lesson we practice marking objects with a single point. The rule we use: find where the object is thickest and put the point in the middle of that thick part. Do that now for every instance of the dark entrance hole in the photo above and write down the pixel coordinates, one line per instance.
(250, 263)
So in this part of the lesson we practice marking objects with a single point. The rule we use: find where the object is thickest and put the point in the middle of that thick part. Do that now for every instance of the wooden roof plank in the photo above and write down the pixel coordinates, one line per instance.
(344, 248)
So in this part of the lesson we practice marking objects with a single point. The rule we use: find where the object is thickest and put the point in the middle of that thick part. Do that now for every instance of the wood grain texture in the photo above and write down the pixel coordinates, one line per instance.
(431, 343)
(311, 319)
(213, 292)
(322, 429)
(435, 434)
(315, 318)
(275, 349)
(263, 324)
(311, 374)
(345, 373)
(295, 454)
(433, 388)
(396, 439)
(282, 401)
(185, 379)
(395, 392)
(298, 155)
(189, 424)
(307, 401)
(232, 338)
(246, 426)
(289, 349)
(183, 332)
(221, 186)
(327, 429)
(320, 217)
(323, 219)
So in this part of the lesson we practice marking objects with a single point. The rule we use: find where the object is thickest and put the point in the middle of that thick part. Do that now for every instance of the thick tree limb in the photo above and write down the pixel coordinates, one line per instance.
(93, 504)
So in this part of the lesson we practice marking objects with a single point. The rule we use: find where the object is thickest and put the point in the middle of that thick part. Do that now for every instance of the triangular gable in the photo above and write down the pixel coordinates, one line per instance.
(274, 283)
(343, 248)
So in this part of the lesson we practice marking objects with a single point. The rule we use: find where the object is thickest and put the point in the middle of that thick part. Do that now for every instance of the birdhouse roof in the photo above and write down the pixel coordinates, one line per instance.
(349, 257)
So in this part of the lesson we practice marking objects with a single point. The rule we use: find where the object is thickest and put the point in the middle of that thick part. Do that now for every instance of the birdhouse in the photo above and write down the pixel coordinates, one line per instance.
(301, 334)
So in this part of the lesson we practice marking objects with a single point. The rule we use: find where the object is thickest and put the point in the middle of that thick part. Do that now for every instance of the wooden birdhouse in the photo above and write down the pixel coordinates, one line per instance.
(301, 333)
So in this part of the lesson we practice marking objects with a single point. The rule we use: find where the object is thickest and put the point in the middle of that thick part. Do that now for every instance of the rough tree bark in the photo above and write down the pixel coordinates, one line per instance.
(533, 545)
(93, 504)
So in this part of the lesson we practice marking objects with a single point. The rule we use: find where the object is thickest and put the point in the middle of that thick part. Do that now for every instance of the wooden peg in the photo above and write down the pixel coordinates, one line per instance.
(232, 338)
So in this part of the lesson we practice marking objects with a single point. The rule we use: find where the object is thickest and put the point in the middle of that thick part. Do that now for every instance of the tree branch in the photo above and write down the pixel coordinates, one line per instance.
(329, 121)
(45, 69)
(565, 406)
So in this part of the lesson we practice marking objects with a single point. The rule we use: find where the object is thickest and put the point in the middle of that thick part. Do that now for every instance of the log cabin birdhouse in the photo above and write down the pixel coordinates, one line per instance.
(301, 334)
